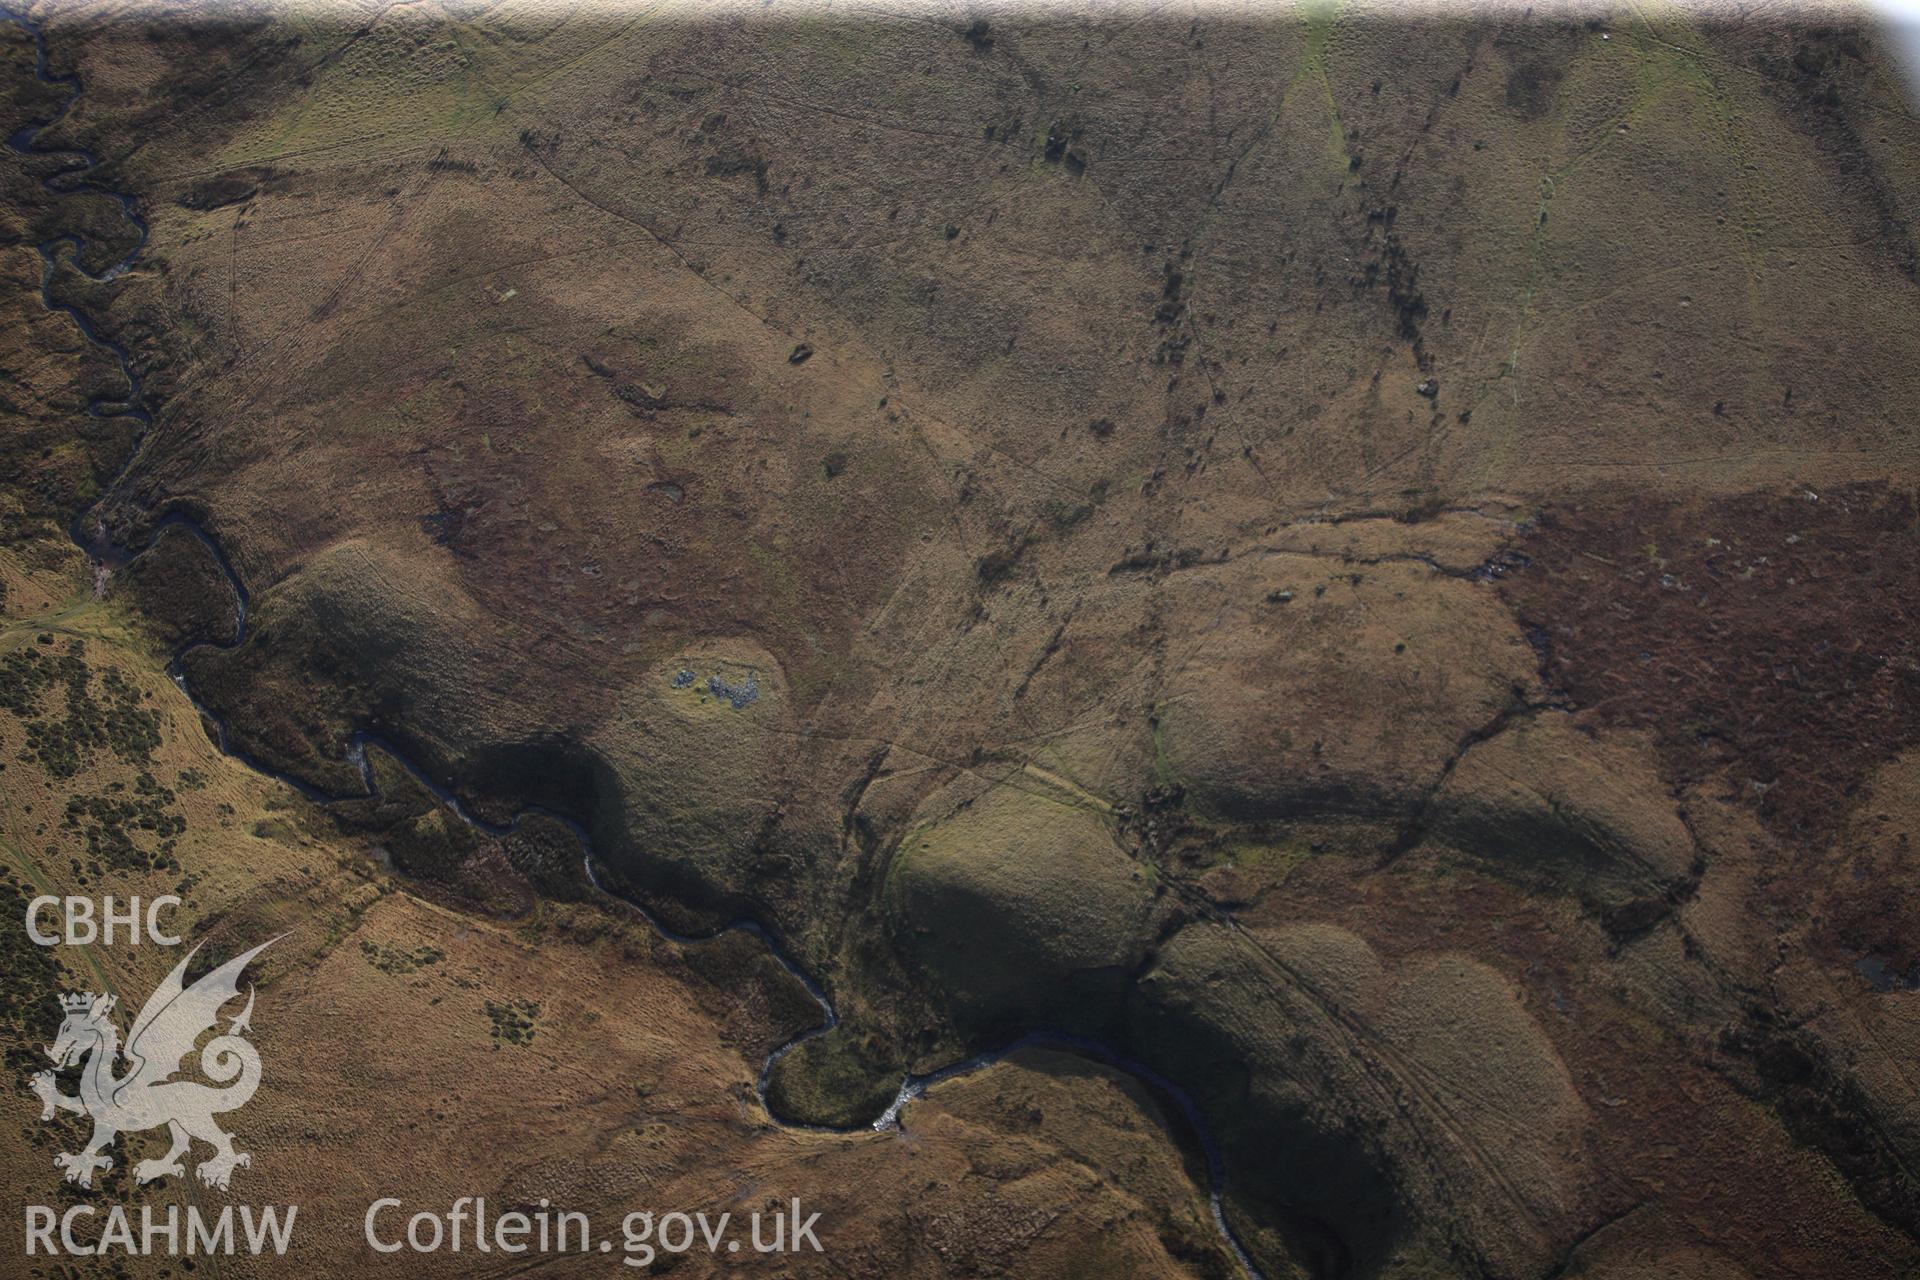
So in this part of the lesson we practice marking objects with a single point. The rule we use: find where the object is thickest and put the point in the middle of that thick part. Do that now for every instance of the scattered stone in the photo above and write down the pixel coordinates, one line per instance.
(734, 695)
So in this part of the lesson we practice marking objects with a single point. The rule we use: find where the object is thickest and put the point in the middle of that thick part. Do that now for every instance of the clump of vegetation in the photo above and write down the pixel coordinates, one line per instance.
(113, 720)
(114, 824)
(29, 979)
(393, 960)
(512, 1021)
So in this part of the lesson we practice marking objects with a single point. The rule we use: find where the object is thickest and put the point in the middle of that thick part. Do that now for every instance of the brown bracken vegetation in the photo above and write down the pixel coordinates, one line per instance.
(1772, 635)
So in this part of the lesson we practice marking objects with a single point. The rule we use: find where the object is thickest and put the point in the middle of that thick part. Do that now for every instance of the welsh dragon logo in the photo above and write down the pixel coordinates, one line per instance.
(146, 1097)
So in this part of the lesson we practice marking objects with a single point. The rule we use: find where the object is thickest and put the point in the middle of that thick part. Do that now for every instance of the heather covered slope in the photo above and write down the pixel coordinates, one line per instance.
(1358, 561)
